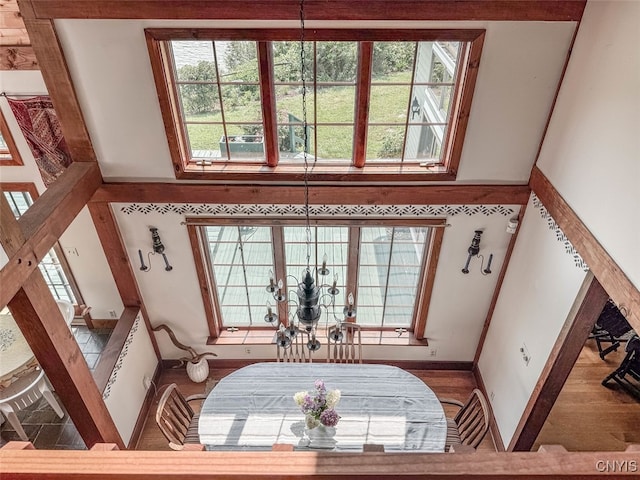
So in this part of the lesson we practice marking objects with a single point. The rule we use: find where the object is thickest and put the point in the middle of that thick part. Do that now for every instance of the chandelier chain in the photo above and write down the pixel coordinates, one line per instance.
(303, 74)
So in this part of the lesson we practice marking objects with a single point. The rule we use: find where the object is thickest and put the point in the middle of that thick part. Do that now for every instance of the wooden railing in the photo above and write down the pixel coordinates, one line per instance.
(19, 460)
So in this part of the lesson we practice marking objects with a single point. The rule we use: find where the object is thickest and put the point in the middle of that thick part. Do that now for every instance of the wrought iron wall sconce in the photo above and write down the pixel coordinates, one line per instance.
(158, 248)
(473, 251)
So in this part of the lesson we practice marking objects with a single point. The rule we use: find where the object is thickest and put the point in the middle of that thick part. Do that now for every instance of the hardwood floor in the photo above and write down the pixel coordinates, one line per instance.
(588, 416)
(445, 384)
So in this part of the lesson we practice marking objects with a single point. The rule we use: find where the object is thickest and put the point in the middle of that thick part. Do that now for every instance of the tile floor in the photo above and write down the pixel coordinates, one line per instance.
(41, 424)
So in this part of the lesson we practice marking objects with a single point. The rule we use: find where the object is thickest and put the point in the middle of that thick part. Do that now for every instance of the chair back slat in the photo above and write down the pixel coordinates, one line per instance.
(472, 419)
(297, 352)
(174, 415)
(349, 348)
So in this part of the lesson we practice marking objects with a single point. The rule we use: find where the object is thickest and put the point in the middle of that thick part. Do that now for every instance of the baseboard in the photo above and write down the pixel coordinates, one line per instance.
(144, 410)
(404, 364)
(493, 426)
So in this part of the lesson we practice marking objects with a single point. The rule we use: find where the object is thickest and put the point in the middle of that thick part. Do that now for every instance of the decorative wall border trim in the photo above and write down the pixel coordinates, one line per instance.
(560, 236)
(123, 354)
(317, 210)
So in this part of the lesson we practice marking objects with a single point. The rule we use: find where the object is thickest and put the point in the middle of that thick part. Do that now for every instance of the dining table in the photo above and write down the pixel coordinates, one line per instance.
(16, 357)
(253, 408)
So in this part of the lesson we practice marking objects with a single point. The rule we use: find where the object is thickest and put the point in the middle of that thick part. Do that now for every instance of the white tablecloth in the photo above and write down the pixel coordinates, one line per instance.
(253, 408)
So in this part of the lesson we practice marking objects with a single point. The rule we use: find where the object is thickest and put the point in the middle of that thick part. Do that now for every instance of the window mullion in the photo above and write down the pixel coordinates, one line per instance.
(268, 97)
(386, 285)
(363, 91)
(244, 274)
(219, 87)
(353, 262)
(280, 266)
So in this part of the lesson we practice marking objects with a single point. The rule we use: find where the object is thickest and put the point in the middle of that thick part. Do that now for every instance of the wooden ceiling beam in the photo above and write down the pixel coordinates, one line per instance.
(441, 10)
(606, 270)
(43, 223)
(318, 194)
(51, 340)
(18, 58)
(38, 317)
(59, 85)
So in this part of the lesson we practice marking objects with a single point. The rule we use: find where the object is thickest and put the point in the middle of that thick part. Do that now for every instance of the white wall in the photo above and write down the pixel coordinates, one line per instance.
(520, 66)
(591, 153)
(89, 266)
(459, 302)
(538, 291)
(125, 392)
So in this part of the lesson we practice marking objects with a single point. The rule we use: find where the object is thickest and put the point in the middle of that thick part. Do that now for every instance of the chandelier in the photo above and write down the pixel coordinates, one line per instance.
(311, 298)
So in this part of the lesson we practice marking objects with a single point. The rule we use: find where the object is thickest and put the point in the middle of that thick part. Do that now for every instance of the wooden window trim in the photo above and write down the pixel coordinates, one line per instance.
(185, 169)
(207, 287)
(31, 189)
(12, 149)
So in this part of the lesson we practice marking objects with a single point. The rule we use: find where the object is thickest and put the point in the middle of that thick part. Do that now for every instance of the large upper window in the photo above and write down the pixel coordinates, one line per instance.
(384, 267)
(396, 103)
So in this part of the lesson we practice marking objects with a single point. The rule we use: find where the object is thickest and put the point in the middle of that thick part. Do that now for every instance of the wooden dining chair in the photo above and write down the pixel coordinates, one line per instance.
(176, 419)
(297, 351)
(344, 343)
(470, 424)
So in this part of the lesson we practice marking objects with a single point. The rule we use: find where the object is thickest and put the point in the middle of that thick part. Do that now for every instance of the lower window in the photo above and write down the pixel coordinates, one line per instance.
(382, 269)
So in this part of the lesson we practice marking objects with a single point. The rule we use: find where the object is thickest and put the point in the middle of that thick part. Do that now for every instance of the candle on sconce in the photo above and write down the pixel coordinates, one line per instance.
(335, 281)
(324, 262)
(269, 310)
(271, 280)
(280, 284)
(350, 299)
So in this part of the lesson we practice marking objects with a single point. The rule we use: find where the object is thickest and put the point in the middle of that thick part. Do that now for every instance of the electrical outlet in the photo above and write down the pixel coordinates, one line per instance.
(146, 382)
(433, 352)
(526, 356)
(247, 351)
(492, 396)
(112, 314)
(71, 252)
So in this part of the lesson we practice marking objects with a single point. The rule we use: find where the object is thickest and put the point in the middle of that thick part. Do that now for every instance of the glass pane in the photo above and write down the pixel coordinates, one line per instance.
(389, 272)
(206, 141)
(193, 60)
(336, 61)
(369, 315)
(237, 61)
(335, 142)
(393, 61)
(336, 104)
(241, 103)
(385, 143)
(242, 145)
(397, 316)
(438, 99)
(289, 104)
(287, 61)
(389, 103)
(249, 250)
(424, 142)
(200, 102)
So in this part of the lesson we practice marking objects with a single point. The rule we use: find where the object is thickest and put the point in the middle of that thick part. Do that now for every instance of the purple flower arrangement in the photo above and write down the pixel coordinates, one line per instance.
(319, 408)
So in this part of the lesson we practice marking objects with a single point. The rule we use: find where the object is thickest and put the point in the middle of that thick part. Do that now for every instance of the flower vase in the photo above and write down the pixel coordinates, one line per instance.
(321, 437)
(198, 372)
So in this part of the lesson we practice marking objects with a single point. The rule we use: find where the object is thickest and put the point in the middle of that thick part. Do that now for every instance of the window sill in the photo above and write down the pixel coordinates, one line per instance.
(267, 337)
(319, 172)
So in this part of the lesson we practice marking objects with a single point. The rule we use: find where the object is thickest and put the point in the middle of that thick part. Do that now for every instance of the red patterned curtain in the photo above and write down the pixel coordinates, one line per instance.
(39, 124)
